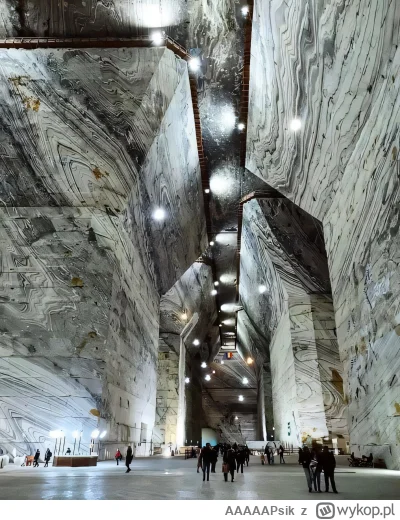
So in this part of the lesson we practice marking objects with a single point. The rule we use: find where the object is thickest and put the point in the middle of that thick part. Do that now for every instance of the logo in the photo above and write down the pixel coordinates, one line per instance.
(325, 510)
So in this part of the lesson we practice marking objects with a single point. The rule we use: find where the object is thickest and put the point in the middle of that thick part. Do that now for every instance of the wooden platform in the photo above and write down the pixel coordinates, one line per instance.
(77, 461)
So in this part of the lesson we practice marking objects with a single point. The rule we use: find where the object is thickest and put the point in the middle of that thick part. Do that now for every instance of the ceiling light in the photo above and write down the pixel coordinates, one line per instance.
(211, 243)
(241, 126)
(196, 342)
(245, 10)
(228, 119)
(262, 289)
(228, 307)
(76, 434)
(204, 364)
(236, 418)
(187, 380)
(249, 361)
(207, 190)
(194, 64)
(157, 38)
(241, 398)
(103, 434)
(220, 325)
(273, 427)
(245, 381)
(208, 377)
(95, 434)
(227, 278)
(230, 321)
(214, 292)
(213, 371)
(295, 125)
(159, 214)
(216, 284)
(222, 362)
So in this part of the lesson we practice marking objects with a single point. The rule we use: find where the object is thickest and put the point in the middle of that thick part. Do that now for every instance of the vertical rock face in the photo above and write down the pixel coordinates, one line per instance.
(284, 288)
(337, 70)
(83, 136)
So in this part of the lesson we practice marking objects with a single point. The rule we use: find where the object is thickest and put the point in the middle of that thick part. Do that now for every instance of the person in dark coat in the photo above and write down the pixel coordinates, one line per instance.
(214, 458)
(329, 464)
(47, 457)
(36, 459)
(305, 460)
(247, 455)
(281, 451)
(268, 454)
(230, 461)
(128, 460)
(316, 468)
(240, 460)
(205, 460)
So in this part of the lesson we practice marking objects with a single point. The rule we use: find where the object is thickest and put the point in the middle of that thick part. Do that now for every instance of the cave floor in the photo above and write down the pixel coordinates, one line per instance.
(175, 478)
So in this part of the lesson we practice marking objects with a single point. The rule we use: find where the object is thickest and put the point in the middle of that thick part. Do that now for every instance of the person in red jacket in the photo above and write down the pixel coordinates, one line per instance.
(118, 456)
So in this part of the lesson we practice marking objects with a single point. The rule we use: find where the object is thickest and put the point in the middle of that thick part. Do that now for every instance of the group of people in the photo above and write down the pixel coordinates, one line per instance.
(270, 454)
(316, 461)
(233, 457)
(47, 457)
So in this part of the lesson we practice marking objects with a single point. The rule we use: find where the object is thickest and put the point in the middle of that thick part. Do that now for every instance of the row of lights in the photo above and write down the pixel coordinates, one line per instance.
(59, 434)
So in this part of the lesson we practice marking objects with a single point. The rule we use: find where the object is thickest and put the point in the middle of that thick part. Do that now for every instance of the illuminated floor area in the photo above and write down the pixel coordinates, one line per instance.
(175, 478)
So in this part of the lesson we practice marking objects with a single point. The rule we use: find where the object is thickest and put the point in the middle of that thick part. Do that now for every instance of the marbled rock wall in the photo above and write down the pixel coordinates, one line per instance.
(337, 70)
(297, 318)
(83, 135)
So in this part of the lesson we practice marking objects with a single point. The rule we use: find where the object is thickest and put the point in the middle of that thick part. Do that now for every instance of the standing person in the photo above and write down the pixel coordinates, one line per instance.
(329, 464)
(281, 451)
(268, 454)
(214, 458)
(305, 460)
(118, 456)
(205, 460)
(68, 452)
(247, 455)
(229, 463)
(316, 468)
(36, 459)
(47, 457)
(128, 460)
(240, 459)
(273, 455)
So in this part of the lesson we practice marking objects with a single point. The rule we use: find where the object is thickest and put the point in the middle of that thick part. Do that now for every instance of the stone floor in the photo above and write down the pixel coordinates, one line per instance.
(175, 478)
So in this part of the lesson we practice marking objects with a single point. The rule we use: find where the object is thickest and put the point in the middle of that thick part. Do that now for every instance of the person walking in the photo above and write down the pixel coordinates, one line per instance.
(205, 461)
(247, 455)
(128, 460)
(47, 457)
(272, 455)
(268, 454)
(328, 465)
(305, 460)
(214, 458)
(316, 468)
(118, 456)
(281, 451)
(240, 460)
(229, 465)
(36, 459)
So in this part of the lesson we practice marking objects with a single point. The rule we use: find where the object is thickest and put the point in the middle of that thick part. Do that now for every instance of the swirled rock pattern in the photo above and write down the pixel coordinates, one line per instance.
(91, 144)
(336, 68)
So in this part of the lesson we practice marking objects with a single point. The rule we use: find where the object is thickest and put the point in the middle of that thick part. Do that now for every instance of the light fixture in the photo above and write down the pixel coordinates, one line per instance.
(222, 362)
(184, 316)
(240, 126)
(273, 427)
(262, 289)
(187, 380)
(295, 125)
(208, 377)
(228, 119)
(241, 398)
(229, 321)
(204, 364)
(236, 418)
(207, 190)
(194, 64)
(213, 371)
(245, 381)
(159, 214)
(196, 342)
(220, 325)
(245, 10)
(76, 434)
(95, 434)
(214, 292)
(216, 284)
(211, 243)
(249, 361)
(103, 434)
(56, 434)
(157, 38)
